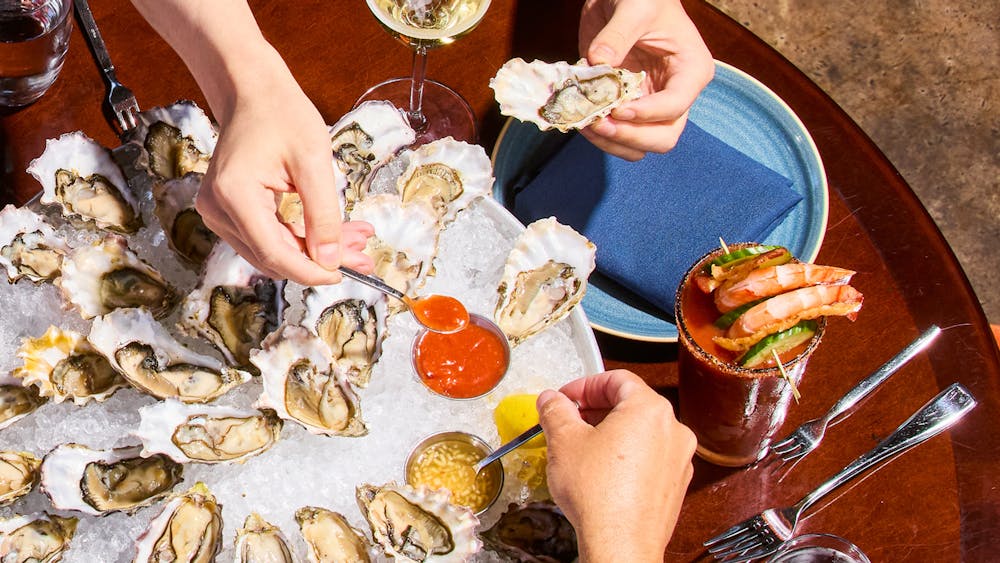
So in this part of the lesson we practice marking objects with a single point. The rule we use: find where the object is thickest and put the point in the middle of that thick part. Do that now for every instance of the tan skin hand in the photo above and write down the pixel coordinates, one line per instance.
(658, 37)
(618, 465)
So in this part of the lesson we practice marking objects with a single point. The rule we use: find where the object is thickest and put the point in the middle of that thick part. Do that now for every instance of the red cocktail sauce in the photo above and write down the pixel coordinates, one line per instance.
(463, 364)
(439, 313)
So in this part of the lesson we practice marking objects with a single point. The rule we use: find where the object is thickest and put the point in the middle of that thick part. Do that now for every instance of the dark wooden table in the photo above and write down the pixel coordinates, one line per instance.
(940, 502)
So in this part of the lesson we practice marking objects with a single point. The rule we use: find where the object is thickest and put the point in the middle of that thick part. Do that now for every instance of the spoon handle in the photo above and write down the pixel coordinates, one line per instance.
(372, 281)
(506, 448)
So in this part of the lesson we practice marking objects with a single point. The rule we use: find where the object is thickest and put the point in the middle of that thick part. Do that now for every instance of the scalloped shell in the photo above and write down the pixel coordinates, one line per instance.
(16, 221)
(447, 160)
(523, 89)
(188, 118)
(41, 356)
(174, 197)
(17, 400)
(259, 541)
(197, 498)
(50, 536)
(19, 473)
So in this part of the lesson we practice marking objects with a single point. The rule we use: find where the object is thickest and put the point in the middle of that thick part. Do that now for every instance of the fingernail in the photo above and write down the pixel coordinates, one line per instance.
(602, 54)
(605, 128)
(624, 114)
(328, 255)
(543, 398)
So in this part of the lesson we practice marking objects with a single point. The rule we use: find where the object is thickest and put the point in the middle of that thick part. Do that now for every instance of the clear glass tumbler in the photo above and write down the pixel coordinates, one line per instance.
(819, 548)
(34, 35)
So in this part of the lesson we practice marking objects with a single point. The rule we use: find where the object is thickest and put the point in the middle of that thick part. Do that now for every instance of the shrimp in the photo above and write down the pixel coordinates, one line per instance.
(786, 310)
(766, 282)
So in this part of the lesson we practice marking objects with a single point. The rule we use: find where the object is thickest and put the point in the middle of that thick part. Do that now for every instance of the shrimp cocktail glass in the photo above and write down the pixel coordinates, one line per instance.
(740, 311)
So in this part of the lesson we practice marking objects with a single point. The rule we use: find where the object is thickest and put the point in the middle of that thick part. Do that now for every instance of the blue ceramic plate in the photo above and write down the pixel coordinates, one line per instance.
(737, 109)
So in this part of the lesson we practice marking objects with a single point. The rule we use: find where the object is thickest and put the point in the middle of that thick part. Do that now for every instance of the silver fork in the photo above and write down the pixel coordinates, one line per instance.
(120, 100)
(805, 438)
(760, 536)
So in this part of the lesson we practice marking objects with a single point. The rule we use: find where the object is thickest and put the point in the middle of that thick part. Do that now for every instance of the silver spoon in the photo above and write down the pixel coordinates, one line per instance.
(508, 447)
(412, 304)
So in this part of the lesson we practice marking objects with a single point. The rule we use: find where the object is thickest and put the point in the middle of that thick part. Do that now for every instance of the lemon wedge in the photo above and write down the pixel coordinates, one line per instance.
(515, 414)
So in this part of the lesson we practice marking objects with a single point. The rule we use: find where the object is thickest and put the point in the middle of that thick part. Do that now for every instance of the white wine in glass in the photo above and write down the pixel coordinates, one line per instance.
(435, 110)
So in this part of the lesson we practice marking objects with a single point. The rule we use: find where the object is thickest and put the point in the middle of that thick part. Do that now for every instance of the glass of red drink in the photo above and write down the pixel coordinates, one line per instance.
(734, 411)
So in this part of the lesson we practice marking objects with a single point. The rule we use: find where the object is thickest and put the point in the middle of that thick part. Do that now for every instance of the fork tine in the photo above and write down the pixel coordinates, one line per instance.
(786, 443)
(749, 543)
(759, 553)
(783, 450)
(745, 535)
(738, 528)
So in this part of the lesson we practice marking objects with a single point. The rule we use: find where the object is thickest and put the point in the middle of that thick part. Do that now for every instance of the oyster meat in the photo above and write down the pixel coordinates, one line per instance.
(350, 318)
(206, 434)
(234, 305)
(143, 351)
(560, 95)
(64, 365)
(536, 532)
(179, 138)
(189, 530)
(544, 278)
(98, 482)
(258, 541)
(330, 538)
(40, 538)
(29, 247)
(186, 231)
(17, 400)
(107, 275)
(18, 475)
(448, 174)
(302, 384)
(419, 524)
(79, 175)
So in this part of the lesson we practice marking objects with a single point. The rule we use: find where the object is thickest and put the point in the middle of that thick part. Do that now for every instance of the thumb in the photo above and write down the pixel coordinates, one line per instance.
(314, 180)
(557, 414)
(617, 38)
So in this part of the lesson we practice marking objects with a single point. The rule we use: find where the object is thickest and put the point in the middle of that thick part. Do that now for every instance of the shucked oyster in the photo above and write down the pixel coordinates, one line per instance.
(189, 529)
(79, 175)
(16, 400)
(147, 355)
(18, 474)
(419, 524)
(302, 385)
(100, 278)
(40, 538)
(560, 95)
(63, 365)
(97, 482)
(261, 542)
(179, 138)
(206, 434)
(448, 174)
(330, 538)
(186, 231)
(537, 532)
(544, 278)
(29, 247)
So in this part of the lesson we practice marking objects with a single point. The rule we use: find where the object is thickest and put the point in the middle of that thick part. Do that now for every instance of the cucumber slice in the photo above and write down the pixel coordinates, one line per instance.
(738, 255)
(727, 320)
(780, 342)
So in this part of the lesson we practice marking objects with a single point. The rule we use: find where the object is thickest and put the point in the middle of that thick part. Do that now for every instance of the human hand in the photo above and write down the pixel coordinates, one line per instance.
(618, 465)
(658, 37)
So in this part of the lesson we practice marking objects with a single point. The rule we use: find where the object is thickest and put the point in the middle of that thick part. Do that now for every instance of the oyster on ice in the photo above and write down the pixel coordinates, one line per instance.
(234, 305)
(40, 538)
(537, 532)
(189, 530)
(350, 318)
(79, 175)
(64, 365)
(143, 351)
(544, 278)
(29, 247)
(258, 541)
(448, 174)
(302, 384)
(179, 138)
(206, 434)
(98, 482)
(17, 400)
(560, 95)
(330, 538)
(186, 231)
(419, 524)
(107, 275)
(18, 475)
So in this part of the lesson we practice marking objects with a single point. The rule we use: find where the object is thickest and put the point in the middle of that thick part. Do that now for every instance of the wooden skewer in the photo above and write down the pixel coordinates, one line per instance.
(784, 374)
(725, 249)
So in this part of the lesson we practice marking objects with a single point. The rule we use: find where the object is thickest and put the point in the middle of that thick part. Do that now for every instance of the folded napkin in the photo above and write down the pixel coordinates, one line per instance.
(653, 218)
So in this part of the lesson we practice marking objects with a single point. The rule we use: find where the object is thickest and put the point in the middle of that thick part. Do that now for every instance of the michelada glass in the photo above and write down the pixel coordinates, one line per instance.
(733, 411)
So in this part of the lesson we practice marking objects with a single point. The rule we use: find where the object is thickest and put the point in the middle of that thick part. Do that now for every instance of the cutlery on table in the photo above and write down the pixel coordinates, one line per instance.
(760, 535)
(806, 437)
(508, 447)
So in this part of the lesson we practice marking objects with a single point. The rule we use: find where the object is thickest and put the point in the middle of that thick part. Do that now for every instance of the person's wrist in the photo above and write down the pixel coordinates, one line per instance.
(609, 541)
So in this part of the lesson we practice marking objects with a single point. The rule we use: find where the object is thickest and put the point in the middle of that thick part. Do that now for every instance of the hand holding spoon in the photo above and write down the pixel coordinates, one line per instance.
(436, 313)
(508, 447)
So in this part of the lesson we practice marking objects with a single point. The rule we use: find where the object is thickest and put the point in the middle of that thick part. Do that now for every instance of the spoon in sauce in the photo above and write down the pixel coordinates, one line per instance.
(436, 313)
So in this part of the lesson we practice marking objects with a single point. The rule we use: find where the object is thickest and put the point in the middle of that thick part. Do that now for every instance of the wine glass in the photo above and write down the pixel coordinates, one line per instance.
(435, 110)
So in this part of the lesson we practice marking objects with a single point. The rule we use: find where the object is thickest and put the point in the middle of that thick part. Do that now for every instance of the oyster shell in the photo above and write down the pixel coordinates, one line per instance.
(206, 434)
(261, 542)
(544, 278)
(234, 305)
(189, 529)
(107, 275)
(186, 231)
(350, 318)
(419, 524)
(98, 482)
(448, 174)
(302, 385)
(560, 95)
(537, 532)
(40, 538)
(330, 538)
(147, 355)
(17, 400)
(179, 138)
(64, 365)
(79, 175)
(29, 247)
(18, 475)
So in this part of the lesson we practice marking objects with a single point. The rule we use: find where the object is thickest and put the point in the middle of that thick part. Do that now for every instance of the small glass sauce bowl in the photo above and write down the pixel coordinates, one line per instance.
(445, 460)
(462, 365)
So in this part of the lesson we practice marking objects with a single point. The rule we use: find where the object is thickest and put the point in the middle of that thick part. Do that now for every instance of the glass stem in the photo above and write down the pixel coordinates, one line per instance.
(417, 119)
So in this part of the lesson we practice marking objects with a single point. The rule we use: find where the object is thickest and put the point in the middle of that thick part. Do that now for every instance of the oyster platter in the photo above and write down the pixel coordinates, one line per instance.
(162, 400)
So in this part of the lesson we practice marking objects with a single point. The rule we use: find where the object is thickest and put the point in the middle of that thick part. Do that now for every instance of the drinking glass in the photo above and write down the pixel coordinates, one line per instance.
(819, 548)
(435, 110)
(34, 35)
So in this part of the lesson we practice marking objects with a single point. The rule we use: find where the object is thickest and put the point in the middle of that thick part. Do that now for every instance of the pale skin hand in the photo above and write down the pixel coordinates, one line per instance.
(618, 465)
(272, 140)
(658, 37)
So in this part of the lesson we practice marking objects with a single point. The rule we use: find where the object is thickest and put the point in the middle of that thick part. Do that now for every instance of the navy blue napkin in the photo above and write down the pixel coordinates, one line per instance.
(653, 218)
